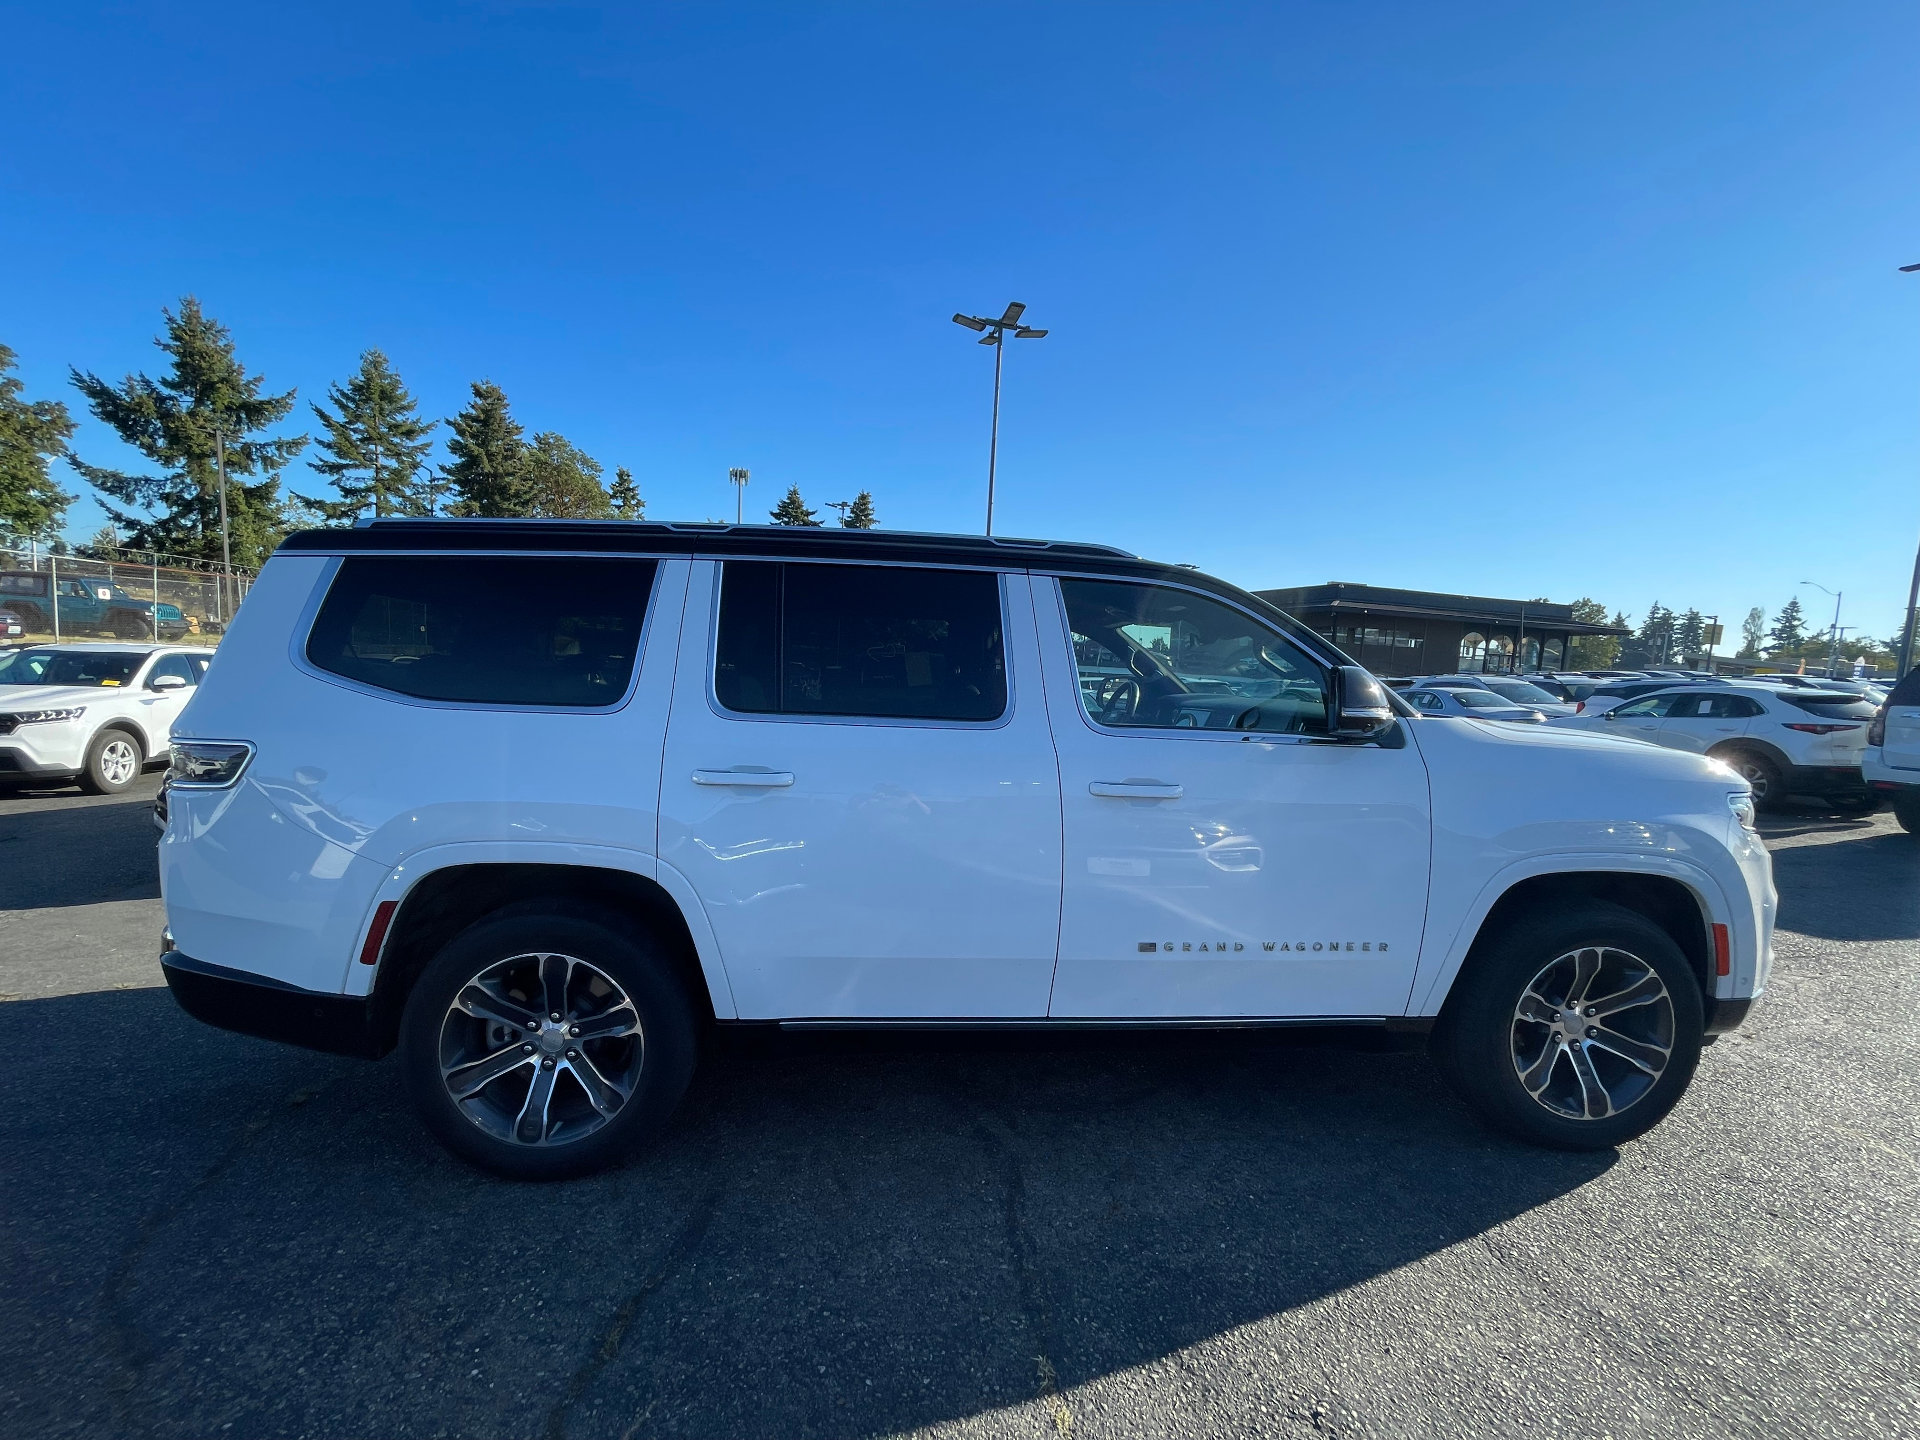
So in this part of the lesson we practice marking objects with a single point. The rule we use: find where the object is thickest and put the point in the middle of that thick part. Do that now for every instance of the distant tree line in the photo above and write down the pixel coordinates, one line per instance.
(204, 412)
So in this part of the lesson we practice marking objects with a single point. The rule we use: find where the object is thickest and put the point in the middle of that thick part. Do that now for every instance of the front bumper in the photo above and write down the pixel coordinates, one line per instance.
(17, 757)
(271, 1010)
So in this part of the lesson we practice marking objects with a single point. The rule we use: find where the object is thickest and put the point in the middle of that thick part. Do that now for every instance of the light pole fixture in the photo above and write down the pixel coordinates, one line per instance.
(1913, 590)
(1833, 634)
(737, 477)
(995, 335)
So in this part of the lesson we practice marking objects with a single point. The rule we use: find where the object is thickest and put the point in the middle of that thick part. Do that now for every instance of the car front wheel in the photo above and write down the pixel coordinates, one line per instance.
(1579, 1030)
(113, 763)
(544, 1043)
(1760, 773)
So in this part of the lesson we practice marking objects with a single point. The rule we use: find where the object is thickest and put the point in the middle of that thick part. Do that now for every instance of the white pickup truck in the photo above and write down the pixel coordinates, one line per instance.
(536, 803)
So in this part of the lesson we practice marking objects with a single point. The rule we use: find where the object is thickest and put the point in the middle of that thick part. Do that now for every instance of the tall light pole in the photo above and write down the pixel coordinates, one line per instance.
(1833, 634)
(996, 334)
(738, 477)
(1913, 590)
(226, 543)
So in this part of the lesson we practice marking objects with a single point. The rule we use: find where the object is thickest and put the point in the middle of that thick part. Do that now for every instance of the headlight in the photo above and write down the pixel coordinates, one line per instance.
(44, 717)
(209, 764)
(1740, 802)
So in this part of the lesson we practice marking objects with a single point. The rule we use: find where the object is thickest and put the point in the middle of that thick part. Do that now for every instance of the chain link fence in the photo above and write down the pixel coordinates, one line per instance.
(134, 595)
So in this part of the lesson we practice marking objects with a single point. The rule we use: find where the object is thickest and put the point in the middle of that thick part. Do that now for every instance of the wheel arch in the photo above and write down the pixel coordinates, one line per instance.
(1766, 748)
(128, 727)
(443, 902)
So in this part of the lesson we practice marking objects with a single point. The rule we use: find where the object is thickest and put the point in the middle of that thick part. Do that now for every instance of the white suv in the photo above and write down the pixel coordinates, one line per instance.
(92, 713)
(537, 802)
(1891, 760)
(1782, 741)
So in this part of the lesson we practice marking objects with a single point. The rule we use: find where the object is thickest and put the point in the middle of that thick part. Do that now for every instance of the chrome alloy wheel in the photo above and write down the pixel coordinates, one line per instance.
(119, 761)
(1592, 1033)
(541, 1049)
(1757, 774)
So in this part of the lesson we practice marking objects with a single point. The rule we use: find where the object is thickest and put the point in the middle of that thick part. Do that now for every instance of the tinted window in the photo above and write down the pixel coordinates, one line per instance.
(1153, 656)
(1650, 705)
(1907, 692)
(484, 629)
(23, 584)
(894, 642)
(1831, 706)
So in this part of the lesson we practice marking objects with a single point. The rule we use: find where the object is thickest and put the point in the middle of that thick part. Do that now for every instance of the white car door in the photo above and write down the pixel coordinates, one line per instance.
(860, 786)
(1698, 722)
(1640, 719)
(1221, 860)
(160, 704)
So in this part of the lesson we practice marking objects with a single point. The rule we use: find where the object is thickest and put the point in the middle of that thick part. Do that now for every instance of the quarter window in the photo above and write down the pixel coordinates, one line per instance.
(889, 642)
(486, 630)
(1153, 657)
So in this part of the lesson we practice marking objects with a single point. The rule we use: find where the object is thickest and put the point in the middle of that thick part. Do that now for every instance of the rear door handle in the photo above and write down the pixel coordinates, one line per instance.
(756, 779)
(1136, 789)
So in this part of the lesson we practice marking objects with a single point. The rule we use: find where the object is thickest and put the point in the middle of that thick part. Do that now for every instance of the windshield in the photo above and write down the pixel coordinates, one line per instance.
(1520, 690)
(70, 667)
(1480, 699)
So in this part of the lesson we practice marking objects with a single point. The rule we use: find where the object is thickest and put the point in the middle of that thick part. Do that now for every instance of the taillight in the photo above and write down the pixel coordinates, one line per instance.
(1819, 729)
(1877, 727)
(1579, 706)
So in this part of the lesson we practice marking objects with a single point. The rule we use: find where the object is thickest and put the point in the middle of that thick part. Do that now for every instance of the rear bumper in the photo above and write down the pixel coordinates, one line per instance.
(1727, 1014)
(269, 1009)
(1823, 780)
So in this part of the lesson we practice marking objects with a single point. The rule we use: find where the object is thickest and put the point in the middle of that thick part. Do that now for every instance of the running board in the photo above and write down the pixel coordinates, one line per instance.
(1414, 1024)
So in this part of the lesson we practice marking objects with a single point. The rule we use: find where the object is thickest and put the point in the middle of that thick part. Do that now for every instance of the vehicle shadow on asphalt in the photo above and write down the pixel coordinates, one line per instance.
(78, 855)
(839, 1236)
(1862, 887)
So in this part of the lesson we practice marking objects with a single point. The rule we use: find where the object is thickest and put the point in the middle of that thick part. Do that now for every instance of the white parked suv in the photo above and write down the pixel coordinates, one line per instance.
(1782, 741)
(1891, 761)
(92, 713)
(536, 802)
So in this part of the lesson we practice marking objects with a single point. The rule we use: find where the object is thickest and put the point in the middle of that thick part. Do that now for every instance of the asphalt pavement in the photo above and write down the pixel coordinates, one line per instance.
(206, 1235)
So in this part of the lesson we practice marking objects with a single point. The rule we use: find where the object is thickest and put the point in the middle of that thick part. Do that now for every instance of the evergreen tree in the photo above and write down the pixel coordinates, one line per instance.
(32, 432)
(1789, 630)
(793, 510)
(1753, 631)
(625, 496)
(561, 481)
(488, 473)
(374, 447)
(173, 422)
(1652, 643)
(859, 515)
(1690, 635)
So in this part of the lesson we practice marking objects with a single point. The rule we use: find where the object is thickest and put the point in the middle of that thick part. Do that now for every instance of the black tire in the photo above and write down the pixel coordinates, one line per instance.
(107, 769)
(1482, 1042)
(31, 616)
(574, 1135)
(1769, 785)
(127, 625)
(1906, 809)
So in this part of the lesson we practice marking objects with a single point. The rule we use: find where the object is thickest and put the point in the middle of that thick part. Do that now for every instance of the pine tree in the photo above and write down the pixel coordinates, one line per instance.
(32, 433)
(488, 473)
(625, 496)
(793, 510)
(1753, 631)
(859, 515)
(1690, 634)
(1789, 630)
(561, 481)
(173, 421)
(374, 447)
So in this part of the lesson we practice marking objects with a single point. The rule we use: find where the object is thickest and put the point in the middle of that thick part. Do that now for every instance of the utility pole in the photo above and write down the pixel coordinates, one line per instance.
(996, 337)
(1833, 631)
(226, 542)
(1913, 590)
(738, 477)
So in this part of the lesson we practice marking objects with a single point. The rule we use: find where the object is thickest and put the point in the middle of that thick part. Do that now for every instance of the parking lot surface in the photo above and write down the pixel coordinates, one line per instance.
(207, 1235)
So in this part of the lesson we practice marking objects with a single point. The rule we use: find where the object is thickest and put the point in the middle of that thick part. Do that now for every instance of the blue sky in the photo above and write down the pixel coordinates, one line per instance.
(1511, 299)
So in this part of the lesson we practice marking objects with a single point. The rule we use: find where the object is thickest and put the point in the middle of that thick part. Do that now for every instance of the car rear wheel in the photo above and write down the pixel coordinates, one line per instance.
(113, 763)
(1906, 809)
(545, 1043)
(1579, 1030)
(126, 625)
(1761, 774)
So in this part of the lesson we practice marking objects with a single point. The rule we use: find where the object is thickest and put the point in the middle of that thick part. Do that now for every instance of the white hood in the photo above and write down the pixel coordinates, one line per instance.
(57, 697)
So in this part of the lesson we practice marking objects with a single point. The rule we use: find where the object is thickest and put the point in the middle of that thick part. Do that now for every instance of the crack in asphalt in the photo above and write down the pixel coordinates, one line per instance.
(692, 1231)
(129, 1349)
(1034, 1307)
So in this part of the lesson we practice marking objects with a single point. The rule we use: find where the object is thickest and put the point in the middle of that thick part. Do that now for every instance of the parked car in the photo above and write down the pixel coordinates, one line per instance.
(1463, 700)
(726, 775)
(1617, 692)
(92, 713)
(1782, 742)
(1891, 761)
(86, 605)
(1517, 691)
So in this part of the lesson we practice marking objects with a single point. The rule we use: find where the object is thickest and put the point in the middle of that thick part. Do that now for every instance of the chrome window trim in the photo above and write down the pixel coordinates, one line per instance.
(310, 610)
(891, 722)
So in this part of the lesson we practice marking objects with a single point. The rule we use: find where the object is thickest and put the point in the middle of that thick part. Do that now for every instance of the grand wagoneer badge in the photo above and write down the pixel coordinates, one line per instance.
(1294, 947)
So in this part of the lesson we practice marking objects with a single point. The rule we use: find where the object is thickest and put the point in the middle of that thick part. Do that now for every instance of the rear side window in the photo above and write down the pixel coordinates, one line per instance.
(1831, 706)
(485, 630)
(1907, 692)
(893, 642)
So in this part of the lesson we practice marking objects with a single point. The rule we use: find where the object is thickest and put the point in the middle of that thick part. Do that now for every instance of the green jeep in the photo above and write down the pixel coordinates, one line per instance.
(86, 603)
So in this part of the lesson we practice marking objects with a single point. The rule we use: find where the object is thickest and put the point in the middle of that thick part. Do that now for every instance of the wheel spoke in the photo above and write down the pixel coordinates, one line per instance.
(1536, 1007)
(1586, 965)
(464, 1081)
(1593, 1094)
(530, 1127)
(1536, 1076)
(606, 1096)
(1642, 992)
(609, 1024)
(483, 1004)
(554, 973)
(1650, 1058)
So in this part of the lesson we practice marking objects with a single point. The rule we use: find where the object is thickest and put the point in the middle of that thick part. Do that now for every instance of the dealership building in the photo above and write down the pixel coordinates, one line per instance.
(1420, 632)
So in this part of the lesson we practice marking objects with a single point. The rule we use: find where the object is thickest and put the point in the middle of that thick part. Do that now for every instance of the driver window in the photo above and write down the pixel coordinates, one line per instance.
(1153, 657)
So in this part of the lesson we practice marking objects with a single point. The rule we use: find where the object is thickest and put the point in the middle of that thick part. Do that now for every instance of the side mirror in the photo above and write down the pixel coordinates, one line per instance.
(166, 682)
(1358, 709)
(1610, 715)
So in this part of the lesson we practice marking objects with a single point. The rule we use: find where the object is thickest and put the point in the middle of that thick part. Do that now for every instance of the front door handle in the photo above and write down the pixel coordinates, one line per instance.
(1136, 789)
(757, 779)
